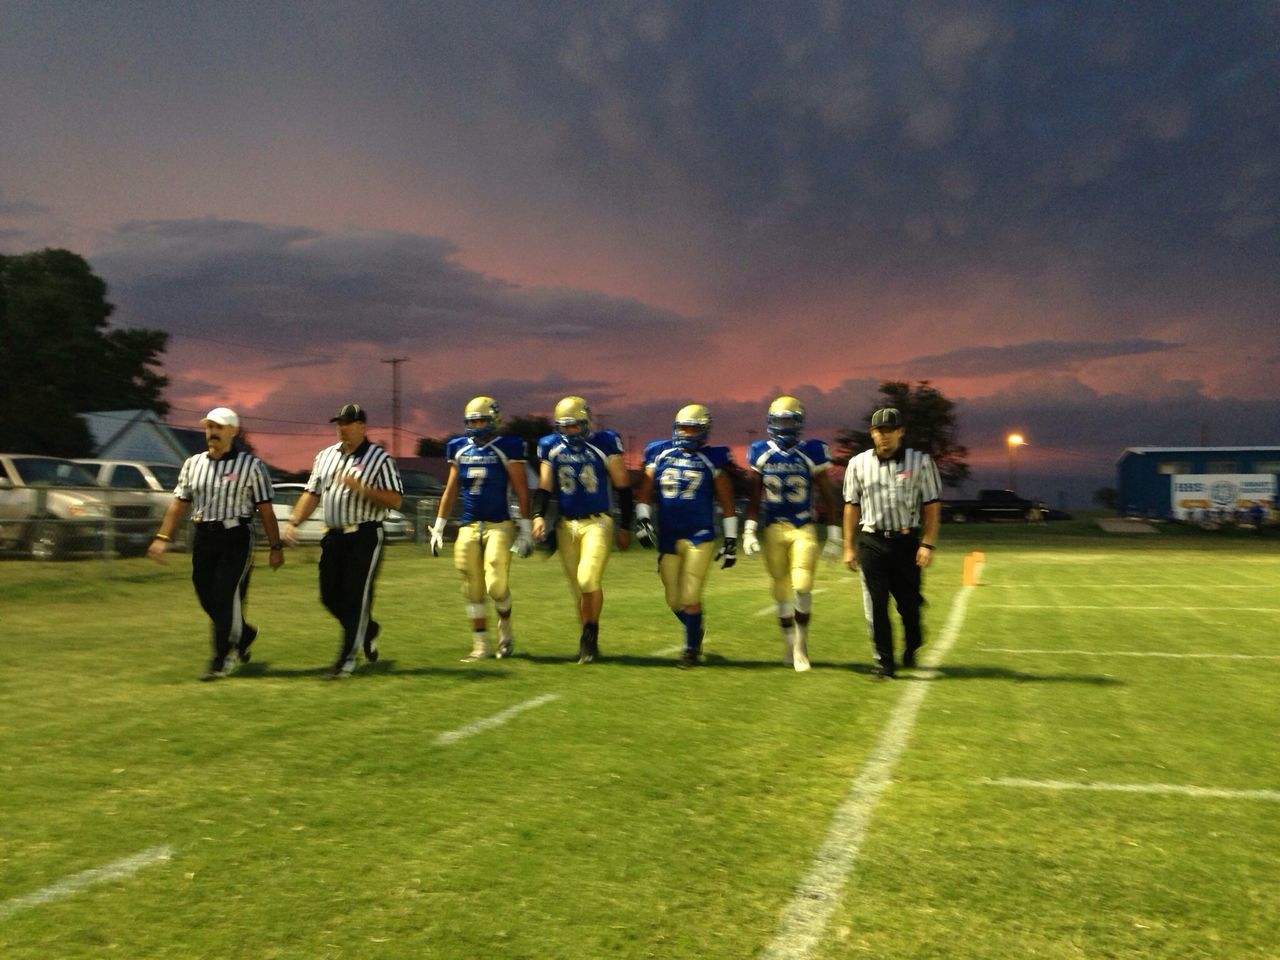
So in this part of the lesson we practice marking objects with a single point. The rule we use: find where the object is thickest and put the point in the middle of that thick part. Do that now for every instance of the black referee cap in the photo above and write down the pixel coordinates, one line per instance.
(888, 417)
(349, 414)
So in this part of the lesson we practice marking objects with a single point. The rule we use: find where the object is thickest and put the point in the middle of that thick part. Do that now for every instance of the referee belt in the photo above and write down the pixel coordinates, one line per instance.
(353, 527)
(225, 524)
(901, 534)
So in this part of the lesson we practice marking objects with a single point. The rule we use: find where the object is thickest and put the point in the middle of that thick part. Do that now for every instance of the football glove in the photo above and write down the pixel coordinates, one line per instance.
(437, 536)
(524, 538)
(833, 549)
(645, 535)
(728, 553)
(750, 542)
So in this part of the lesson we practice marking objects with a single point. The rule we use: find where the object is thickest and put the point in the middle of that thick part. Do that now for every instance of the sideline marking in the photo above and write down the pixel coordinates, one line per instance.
(497, 720)
(805, 919)
(79, 881)
(1190, 791)
(1139, 653)
(667, 651)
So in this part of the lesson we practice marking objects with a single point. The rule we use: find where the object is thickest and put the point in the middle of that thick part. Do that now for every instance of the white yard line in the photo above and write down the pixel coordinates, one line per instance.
(1164, 788)
(668, 651)
(1116, 606)
(805, 919)
(77, 882)
(497, 720)
(1137, 653)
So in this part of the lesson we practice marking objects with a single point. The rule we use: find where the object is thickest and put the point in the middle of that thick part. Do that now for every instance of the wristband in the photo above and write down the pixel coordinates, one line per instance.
(164, 537)
(927, 546)
(276, 546)
(540, 499)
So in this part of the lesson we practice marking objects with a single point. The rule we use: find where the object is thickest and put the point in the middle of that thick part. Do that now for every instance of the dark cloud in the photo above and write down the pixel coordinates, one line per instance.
(20, 208)
(1021, 357)
(301, 288)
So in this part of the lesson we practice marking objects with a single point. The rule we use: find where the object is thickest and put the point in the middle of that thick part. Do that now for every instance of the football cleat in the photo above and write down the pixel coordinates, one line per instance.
(482, 416)
(692, 427)
(785, 421)
(573, 420)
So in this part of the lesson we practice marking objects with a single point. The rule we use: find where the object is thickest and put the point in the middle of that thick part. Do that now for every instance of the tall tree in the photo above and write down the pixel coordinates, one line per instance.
(931, 427)
(530, 429)
(431, 446)
(58, 357)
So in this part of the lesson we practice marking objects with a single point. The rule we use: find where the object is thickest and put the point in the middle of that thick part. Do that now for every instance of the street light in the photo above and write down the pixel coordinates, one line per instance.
(1015, 440)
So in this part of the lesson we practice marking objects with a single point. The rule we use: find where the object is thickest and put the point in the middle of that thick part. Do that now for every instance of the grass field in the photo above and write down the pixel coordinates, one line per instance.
(1088, 770)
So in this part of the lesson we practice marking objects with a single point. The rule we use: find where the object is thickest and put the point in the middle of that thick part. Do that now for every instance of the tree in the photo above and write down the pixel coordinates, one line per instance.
(530, 429)
(931, 426)
(431, 446)
(58, 358)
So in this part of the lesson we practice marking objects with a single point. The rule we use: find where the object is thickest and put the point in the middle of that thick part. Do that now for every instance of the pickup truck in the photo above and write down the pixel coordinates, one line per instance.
(991, 505)
(50, 507)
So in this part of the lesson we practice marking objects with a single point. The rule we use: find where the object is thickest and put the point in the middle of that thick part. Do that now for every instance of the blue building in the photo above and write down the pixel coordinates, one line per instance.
(1144, 474)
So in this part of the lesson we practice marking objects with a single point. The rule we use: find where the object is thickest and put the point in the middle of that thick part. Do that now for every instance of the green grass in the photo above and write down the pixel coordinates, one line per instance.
(647, 811)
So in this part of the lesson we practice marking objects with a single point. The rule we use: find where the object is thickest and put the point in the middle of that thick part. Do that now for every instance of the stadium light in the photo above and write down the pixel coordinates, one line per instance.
(1014, 440)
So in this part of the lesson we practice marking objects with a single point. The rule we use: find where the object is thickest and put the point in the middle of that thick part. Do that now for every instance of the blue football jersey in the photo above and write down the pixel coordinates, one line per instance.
(482, 474)
(581, 472)
(787, 478)
(684, 482)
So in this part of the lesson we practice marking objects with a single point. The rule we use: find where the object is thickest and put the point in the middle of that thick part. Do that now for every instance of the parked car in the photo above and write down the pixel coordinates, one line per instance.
(156, 480)
(312, 530)
(422, 493)
(990, 505)
(50, 507)
(999, 505)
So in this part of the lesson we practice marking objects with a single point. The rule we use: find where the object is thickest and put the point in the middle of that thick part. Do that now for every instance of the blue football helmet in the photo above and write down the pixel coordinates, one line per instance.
(571, 412)
(692, 427)
(482, 416)
(786, 421)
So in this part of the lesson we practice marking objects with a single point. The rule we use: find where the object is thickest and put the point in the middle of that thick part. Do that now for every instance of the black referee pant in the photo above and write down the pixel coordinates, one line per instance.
(221, 559)
(888, 565)
(348, 565)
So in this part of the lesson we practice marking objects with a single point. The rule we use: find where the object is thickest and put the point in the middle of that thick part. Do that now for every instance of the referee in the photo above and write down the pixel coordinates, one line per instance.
(355, 482)
(223, 486)
(889, 491)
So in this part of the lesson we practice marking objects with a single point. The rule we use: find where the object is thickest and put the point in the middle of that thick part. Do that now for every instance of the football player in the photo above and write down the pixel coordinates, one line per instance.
(486, 467)
(581, 465)
(787, 472)
(689, 478)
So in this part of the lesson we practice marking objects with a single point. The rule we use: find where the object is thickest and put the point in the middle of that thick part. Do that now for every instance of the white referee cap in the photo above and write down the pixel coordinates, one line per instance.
(224, 416)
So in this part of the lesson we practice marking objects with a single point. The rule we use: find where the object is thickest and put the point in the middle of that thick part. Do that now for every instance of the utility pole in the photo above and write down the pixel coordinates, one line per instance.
(395, 404)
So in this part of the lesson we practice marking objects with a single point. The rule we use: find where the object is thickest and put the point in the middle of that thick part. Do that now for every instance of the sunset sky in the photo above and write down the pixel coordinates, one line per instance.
(1065, 215)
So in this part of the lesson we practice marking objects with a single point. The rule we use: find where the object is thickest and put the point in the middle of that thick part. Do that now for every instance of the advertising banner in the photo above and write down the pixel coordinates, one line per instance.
(1200, 496)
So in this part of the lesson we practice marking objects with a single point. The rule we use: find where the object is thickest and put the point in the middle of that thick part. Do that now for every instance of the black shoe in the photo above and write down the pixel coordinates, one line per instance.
(882, 674)
(246, 641)
(370, 647)
(909, 658)
(688, 660)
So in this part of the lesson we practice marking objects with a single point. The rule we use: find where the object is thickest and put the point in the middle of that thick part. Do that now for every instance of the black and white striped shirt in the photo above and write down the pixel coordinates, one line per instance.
(342, 505)
(891, 492)
(226, 488)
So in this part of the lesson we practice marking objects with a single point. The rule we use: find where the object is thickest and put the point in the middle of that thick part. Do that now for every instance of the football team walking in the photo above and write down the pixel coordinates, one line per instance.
(888, 532)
